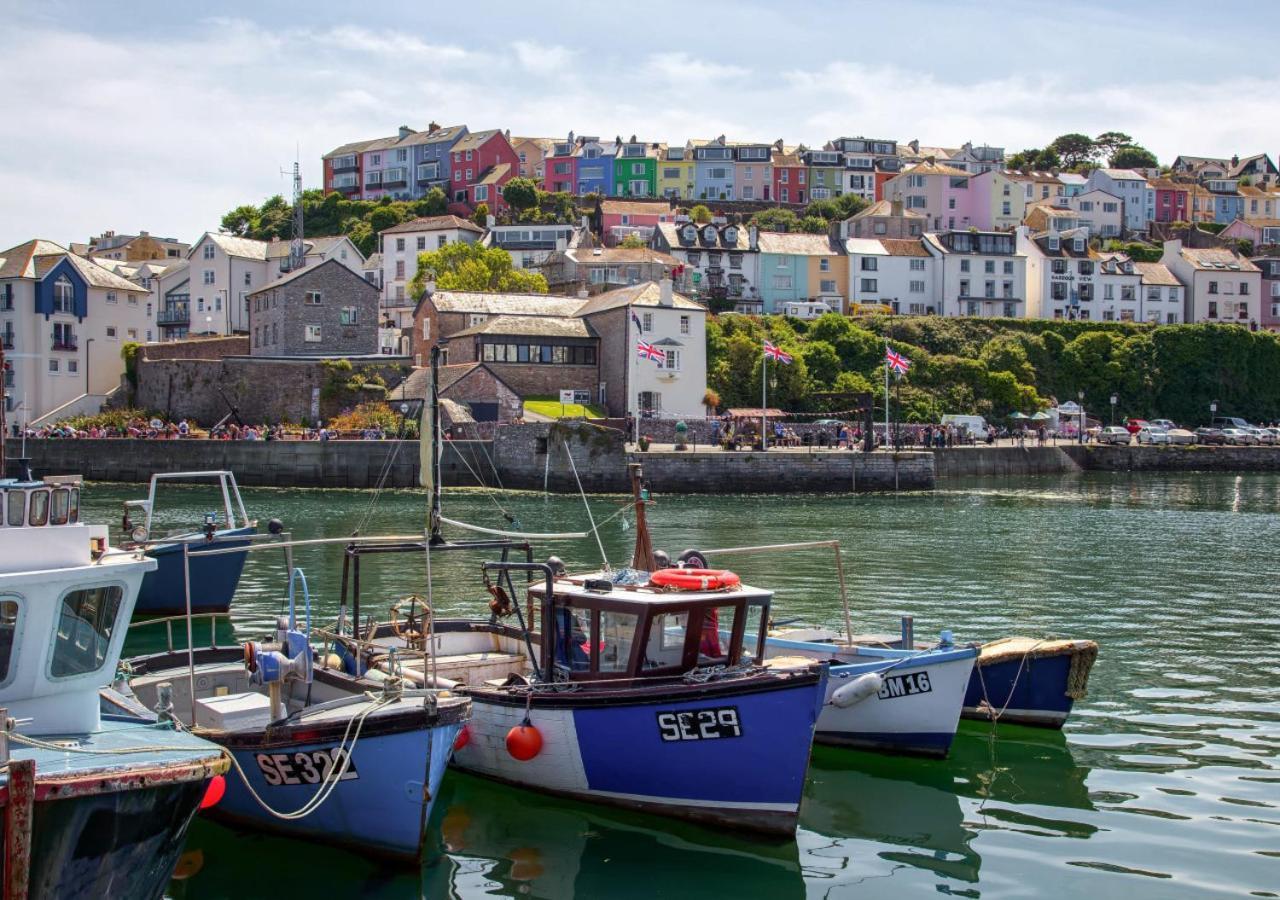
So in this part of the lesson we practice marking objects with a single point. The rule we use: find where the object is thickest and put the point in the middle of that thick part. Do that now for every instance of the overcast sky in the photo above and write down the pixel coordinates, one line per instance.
(153, 115)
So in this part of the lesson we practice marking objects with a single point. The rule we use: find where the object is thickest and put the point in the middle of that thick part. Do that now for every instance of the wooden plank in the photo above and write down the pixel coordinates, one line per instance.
(18, 814)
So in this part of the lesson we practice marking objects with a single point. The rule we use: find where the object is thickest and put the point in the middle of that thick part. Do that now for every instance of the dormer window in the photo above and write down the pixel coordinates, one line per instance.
(64, 295)
(1054, 243)
(731, 235)
(709, 234)
(690, 233)
(1079, 245)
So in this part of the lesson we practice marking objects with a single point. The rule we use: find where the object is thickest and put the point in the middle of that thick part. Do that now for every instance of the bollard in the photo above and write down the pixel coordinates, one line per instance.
(164, 702)
(908, 633)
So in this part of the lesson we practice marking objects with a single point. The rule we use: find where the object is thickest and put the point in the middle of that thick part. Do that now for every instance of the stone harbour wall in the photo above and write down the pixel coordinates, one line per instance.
(780, 472)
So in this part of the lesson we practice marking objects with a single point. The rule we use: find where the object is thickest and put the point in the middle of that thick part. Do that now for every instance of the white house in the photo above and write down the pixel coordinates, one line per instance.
(400, 246)
(222, 270)
(898, 273)
(723, 261)
(1220, 285)
(979, 273)
(529, 245)
(1162, 293)
(1131, 187)
(1099, 211)
(1066, 279)
(64, 320)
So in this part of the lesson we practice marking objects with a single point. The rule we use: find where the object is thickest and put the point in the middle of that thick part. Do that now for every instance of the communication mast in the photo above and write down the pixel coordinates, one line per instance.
(297, 249)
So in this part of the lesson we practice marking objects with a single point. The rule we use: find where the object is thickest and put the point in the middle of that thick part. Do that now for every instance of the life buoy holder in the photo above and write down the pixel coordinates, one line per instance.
(695, 579)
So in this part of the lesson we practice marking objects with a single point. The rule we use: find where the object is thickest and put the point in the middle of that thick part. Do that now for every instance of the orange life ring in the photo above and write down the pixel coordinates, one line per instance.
(695, 579)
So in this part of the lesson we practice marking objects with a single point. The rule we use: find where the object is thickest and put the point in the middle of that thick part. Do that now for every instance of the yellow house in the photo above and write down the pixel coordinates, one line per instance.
(829, 280)
(675, 172)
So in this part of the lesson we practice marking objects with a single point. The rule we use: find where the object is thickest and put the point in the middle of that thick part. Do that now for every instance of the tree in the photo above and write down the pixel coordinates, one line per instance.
(812, 225)
(822, 209)
(775, 220)
(700, 214)
(481, 215)
(520, 193)
(849, 205)
(822, 362)
(472, 267)
(433, 203)
(632, 242)
(1134, 157)
(1073, 149)
(1107, 143)
(241, 221)
(1033, 159)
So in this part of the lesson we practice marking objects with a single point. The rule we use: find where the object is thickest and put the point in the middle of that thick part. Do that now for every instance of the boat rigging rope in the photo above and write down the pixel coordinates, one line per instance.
(490, 492)
(56, 747)
(590, 518)
(330, 782)
(986, 699)
(381, 483)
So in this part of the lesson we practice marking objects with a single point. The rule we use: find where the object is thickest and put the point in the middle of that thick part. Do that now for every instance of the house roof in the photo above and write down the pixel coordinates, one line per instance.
(670, 232)
(373, 261)
(447, 133)
(246, 248)
(34, 259)
(1066, 244)
(935, 169)
(498, 304)
(416, 384)
(1156, 273)
(793, 244)
(475, 140)
(530, 326)
(635, 207)
(1123, 174)
(1217, 259)
(346, 149)
(494, 174)
(19, 261)
(646, 293)
(884, 208)
(585, 256)
(307, 270)
(434, 223)
(899, 247)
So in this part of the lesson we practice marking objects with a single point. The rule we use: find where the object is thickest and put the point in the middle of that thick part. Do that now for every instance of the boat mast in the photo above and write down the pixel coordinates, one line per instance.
(4, 402)
(642, 558)
(433, 524)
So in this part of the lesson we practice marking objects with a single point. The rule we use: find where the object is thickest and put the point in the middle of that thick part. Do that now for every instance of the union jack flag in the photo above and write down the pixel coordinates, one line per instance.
(896, 361)
(773, 351)
(646, 350)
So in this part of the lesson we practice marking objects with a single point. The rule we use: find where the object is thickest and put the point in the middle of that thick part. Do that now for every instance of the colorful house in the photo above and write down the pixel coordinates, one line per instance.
(712, 169)
(635, 169)
(941, 193)
(790, 175)
(826, 173)
(1228, 202)
(620, 218)
(560, 167)
(1173, 200)
(752, 171)
(1258, 203)
(675, 172)
(483, 162)
(795, 268)
(595, 166)
(532, 153)
(1131, 187)
(342, 169)
(998, 202)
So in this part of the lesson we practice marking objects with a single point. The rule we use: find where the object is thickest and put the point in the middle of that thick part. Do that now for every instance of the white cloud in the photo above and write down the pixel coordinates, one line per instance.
(542, 59)
(693, 74)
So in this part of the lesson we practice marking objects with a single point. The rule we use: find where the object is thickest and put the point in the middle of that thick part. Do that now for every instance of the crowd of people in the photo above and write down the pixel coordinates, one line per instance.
(157, 429)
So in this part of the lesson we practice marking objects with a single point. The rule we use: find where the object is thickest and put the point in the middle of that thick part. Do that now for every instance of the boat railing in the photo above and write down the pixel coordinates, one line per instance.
(167, 622)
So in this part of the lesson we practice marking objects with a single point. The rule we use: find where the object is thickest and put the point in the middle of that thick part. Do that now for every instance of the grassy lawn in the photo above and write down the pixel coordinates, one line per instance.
(552, 408)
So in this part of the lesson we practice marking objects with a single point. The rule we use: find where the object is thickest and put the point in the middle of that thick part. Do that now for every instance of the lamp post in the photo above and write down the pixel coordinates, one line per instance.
(1114, 400)
(87, 357)
(1080, 396)
(1213, 411)
(208, 324)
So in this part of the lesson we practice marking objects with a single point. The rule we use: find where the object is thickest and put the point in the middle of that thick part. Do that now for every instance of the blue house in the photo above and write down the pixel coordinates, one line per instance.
(430, 157)
(1228, 202)
(595, 166)
(713, 169)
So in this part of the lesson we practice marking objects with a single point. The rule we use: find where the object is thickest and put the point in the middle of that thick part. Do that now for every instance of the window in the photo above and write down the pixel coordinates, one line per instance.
(964, 265)
(482, 192)
(671, 362)
(989, 266)
(399, 270)
(348, 316)
(208, 276)
(684, 324)
(714, 639)
(824, 264)
(1213, 312)
(1059, 267)
(1006, 209)
(111, 296)
(53, 365)
(442, 240)
(664, 647)
(869, 264)
(617, 634)
(1213, 287)
(111, 331)
(8, 628)
(312, 334)
(64, 295)
(870, 285)
(312, 298)
(422, 242)
(917, 287)
(469, 175)
(917, 265)
(476, 319)
(86, 622)
(782, 282)
(1244, 288)
(208, 250)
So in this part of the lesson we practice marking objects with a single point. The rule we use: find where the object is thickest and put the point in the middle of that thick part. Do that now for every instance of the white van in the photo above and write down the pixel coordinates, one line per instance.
(975, 425)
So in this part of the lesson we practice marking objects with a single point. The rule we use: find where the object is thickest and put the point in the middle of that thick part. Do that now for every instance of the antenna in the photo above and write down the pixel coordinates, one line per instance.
(297, 249)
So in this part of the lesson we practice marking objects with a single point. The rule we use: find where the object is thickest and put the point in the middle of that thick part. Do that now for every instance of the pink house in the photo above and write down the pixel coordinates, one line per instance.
(619, 218)
(942, 194)
(1173, 200)
(481, 164)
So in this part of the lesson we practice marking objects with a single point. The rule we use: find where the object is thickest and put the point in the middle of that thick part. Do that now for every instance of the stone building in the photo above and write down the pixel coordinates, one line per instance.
(535, 355)
(324, 310)
(440, 315)
(474, 385)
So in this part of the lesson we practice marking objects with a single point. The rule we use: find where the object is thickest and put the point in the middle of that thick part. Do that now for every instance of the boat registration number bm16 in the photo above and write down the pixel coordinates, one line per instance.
(905, 685)
(304, 766)
(700, 724)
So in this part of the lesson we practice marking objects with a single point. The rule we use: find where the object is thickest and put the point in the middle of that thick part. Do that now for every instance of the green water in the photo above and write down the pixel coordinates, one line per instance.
(1165, 783)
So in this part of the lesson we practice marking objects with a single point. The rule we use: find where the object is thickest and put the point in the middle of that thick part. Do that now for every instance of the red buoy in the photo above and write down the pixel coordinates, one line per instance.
(524, 742)
(213, 793)
(463, 738)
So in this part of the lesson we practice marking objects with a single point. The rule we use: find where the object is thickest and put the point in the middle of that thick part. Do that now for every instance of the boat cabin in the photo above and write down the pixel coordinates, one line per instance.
(595, 629)
(37, 504)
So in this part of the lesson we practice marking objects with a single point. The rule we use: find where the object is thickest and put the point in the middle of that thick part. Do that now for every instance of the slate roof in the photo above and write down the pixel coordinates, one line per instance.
(494, 174)
(475, 140)
(499, 304)
(307, 270)
(447, 133)
(900, 247)
(884, 208)
(646, 293)
(935, 169)
(636, 207)
(434, 223)
(620, 256)
(530, 326)
(245, 248)
(670, 232)
(792, 244)
(415, 384)
(1156, 274)
(1205, 260)
(18, 262)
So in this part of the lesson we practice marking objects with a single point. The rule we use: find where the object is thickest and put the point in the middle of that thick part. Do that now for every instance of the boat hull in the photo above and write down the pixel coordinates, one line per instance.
(732, 754)
(383, 809)
(1026, 682)
(213, 578)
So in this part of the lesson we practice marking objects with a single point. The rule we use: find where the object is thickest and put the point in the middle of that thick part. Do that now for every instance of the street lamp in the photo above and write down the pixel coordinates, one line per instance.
(1080, 396)
(1114, 400)
(208, 324)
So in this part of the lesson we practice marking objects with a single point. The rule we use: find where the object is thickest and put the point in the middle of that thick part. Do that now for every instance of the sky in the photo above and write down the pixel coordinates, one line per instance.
(164, 115)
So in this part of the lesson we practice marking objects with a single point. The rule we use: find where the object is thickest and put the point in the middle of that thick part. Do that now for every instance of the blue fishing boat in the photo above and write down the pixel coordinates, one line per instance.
(317, 755)
(213, 578)
(92, 804)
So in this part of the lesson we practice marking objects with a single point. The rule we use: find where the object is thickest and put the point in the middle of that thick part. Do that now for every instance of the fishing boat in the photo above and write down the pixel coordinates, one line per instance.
(1015, 680)
(92, 804)
(317, 755)
(612, 689)
(213, 578)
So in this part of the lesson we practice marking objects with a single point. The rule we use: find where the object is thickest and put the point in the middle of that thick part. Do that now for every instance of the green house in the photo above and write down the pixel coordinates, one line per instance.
(635, 169)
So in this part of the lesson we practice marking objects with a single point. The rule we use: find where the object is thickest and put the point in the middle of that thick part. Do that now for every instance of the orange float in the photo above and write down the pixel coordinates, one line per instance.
(695, 579)
(524, 741)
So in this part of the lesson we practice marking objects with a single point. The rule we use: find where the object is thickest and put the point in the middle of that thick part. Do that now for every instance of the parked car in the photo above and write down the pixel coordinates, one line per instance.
(1229, 422)
(1181, 436)
(1276, 432)
(1264, 435)
(1163, 424)
(1151, 435)
(1115, 434)
(1239, 436)
(1133, 426)
(828, 422)
(1210, 436)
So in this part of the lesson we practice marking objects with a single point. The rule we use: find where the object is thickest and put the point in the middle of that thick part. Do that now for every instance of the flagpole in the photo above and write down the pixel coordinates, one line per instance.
(631, 374)
(886, 392)
(764, 400)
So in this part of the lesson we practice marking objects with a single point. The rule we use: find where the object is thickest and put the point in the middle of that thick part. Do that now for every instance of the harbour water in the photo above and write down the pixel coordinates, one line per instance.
(1165, 783)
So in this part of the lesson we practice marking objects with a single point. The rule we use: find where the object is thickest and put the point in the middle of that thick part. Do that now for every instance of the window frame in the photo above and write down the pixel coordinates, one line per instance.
(114, 641)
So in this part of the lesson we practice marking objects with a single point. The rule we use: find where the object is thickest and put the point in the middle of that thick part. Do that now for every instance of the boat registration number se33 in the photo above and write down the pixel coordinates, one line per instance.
(304, 766)
(700, 724)
(905, 685)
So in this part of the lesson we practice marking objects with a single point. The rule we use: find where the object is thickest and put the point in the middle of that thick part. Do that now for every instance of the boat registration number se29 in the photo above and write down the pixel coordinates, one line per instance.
(700, 724)
(905, 685)
(304, 766)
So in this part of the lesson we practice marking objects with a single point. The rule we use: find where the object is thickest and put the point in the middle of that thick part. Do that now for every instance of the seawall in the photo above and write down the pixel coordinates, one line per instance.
(785, 472)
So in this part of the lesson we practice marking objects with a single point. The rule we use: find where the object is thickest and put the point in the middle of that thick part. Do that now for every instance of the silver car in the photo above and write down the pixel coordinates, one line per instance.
(1150, 435)
(1239, 436)
(1114, 434)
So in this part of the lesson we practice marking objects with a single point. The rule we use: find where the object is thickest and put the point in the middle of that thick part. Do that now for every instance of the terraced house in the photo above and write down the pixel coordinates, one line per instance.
(594, 164)
(676, 176)
(713, 169)
(790, 174)
(721, 262)
(826, 173)
(635, 169)
(802, 269)
(753, 172)
(482, 163)
(980, 273)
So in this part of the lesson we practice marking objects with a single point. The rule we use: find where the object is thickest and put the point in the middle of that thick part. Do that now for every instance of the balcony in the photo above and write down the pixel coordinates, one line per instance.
(7, 341)
(177, 314)
(345, 164)
(68, 344)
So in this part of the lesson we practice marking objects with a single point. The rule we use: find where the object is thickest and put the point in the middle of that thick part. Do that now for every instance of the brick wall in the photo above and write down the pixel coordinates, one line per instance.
(532, 380)
(280, 317)
(198, 348)
(480, 385)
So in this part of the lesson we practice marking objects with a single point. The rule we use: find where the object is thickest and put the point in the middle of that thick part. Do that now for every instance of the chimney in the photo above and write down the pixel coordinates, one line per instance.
(571, 137)
(778, 145)
(664, 291)
(507, 134)
(914, 144)
(895, 206)
(489, 222)
(633, 138)
(844, 229)
(582, 292)
(433, 128)
(753, 237)
(405, 131)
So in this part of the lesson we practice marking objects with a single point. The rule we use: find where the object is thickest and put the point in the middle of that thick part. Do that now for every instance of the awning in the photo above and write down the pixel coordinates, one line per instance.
(757, 413)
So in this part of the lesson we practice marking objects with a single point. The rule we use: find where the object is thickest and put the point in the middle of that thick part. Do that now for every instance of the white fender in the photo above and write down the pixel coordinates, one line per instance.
(857, 690)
